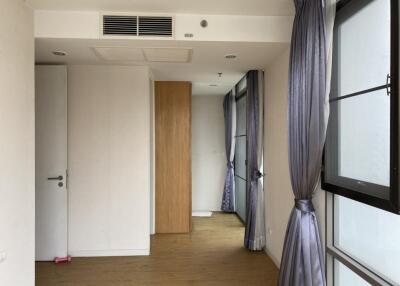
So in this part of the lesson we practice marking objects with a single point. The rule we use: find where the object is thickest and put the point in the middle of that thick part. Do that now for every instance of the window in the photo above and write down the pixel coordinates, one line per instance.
(361, 152)
(371, 237)
(345, 277)
(360, 160)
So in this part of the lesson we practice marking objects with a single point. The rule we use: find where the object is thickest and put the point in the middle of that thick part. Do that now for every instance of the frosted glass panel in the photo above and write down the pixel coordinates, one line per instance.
(362, 45)
(240, 157)
(364, 137)
(345, 277)
(369, 235)
(240, 191)
(241, 116)
(242, 85)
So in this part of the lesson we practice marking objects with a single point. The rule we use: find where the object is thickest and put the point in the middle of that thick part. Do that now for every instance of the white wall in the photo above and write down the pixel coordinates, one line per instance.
(60, 24)
(17, 149)
(234, 28)
(208, 153)
(279, 198)
(109, 160)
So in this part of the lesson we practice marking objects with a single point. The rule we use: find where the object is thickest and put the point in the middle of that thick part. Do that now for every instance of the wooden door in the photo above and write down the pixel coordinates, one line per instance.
(173, 156)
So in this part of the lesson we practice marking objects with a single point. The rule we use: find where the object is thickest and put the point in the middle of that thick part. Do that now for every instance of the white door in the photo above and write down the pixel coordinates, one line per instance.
(51, 162)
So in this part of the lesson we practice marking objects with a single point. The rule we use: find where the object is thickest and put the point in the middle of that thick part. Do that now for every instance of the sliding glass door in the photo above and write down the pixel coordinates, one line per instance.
(241, 156)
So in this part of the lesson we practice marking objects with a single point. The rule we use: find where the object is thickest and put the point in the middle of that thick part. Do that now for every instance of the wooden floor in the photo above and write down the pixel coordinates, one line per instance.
(211, 255)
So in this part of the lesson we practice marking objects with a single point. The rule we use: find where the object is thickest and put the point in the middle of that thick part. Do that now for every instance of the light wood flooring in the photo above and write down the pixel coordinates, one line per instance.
(212, 254)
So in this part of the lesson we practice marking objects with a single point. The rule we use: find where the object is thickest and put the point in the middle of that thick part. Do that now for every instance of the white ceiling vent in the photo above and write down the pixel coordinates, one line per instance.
(144, 54)
(138, 26)
(120, 25)
(168, 55)
(119, 54)
(155, 26)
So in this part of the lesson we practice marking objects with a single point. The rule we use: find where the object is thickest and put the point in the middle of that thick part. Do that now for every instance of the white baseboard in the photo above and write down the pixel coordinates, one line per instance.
(273, 258)
(202, 213)
(110, 252)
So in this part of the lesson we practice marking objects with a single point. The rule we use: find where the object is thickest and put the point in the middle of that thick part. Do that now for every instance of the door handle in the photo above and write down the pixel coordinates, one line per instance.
(59, 178)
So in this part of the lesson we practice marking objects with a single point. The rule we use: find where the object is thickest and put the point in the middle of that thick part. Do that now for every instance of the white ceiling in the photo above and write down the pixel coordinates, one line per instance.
(207, 59)
(214, 7)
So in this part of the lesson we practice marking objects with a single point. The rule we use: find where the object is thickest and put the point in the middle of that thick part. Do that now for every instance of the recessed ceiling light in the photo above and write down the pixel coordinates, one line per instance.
(59, 53)
(230, 56)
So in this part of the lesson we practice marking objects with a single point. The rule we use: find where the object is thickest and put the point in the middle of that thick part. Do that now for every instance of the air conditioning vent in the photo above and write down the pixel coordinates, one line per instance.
(142, 26)
(155, 26)
(120, 25)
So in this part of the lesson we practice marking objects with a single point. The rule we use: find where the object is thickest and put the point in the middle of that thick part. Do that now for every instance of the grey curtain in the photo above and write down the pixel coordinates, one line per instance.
(255, 225)
(228, 198)
(302, 261)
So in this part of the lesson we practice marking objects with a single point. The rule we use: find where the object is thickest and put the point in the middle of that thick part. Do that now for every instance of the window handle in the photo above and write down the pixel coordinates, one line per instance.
(388, 91)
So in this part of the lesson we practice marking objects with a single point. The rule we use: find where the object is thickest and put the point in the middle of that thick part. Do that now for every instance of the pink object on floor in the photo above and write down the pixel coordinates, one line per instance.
(58, 260)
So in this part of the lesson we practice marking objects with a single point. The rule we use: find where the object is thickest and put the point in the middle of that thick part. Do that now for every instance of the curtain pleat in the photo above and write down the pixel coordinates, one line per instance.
(255, 220)
(302, 261)
(228, 197)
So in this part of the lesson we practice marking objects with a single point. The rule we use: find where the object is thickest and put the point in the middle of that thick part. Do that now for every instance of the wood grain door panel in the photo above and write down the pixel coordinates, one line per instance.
(173, 156)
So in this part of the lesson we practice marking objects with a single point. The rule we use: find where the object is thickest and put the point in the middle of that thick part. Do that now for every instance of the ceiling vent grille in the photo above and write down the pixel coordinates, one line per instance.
(142, 26)
(155, 26)
(120, 25)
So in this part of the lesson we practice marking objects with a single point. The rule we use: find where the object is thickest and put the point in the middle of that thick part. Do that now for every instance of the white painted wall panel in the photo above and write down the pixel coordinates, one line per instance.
(279, 199)
(109, 160)
(17, 144)
(235, 28)
(67, 24)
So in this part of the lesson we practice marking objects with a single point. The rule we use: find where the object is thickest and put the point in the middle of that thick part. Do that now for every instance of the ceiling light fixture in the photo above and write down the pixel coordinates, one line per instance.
(230, 56)
(59, 53)
(213, 85)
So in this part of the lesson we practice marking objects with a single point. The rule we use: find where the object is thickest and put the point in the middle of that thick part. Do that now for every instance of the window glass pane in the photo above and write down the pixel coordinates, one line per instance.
(240, 195)
(242, 85)
(364, 137)
(357, 151)
(369, 235)
(345, 277)
(240, 157)
(362, 46)
(241, 116)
